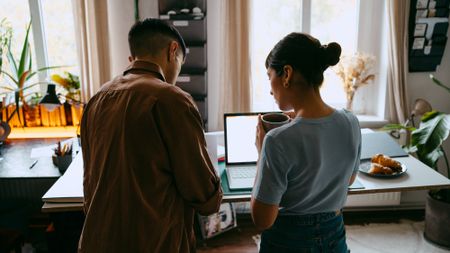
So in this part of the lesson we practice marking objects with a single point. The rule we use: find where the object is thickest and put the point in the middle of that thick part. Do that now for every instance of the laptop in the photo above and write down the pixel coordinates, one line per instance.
(240, 151)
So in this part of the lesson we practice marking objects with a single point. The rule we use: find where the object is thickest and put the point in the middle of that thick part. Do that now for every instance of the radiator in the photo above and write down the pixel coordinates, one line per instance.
(374, 199)
(27, 190)
(360, 200)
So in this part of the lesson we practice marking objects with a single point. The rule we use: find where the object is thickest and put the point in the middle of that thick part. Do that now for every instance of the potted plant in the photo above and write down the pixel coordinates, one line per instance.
(71, 85)
(20, 81)
(5, 38)
(426, 143)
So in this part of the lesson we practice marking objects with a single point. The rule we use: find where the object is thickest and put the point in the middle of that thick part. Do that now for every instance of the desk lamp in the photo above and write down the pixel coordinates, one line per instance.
(50, 100)
(421, 106)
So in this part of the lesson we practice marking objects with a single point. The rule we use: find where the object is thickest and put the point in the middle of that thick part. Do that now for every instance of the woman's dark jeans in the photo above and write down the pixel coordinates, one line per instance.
(323, 232)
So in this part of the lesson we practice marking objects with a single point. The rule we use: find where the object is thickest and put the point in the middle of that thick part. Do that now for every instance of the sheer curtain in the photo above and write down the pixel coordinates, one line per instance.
(398, 12)
(91, 32)
(235, 89)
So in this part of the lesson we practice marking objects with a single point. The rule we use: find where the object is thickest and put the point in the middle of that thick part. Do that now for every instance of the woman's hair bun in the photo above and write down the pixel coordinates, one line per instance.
(332, 52)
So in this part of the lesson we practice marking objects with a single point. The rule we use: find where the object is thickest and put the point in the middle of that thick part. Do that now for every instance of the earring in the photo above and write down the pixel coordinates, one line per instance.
(286, 84)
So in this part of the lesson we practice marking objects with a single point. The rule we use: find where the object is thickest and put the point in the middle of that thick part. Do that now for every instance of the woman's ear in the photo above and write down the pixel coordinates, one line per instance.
(287, 75)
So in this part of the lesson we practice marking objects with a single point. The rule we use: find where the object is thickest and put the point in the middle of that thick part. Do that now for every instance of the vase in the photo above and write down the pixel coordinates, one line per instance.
(349, 104)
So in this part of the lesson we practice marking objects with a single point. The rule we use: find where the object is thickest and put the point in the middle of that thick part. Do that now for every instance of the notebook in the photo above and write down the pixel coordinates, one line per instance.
(240, 151)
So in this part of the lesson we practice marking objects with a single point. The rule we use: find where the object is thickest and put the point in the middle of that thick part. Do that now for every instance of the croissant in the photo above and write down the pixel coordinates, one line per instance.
(377, 168)
(386, 161)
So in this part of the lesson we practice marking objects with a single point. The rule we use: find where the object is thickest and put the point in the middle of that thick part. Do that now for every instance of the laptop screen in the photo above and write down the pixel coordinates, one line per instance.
(239, 133)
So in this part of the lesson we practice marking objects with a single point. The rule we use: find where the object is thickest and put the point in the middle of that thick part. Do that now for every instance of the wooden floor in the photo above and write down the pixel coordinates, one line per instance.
(237, 240)
(240, 239)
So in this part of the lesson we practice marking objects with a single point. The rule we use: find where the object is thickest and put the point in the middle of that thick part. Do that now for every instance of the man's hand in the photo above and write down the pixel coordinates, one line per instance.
(260, 133)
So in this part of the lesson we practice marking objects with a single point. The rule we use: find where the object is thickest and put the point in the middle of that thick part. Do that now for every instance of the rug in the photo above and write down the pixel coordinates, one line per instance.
(403, 237)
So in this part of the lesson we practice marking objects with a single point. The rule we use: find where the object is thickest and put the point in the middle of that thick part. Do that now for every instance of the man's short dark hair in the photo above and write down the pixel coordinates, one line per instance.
(150, 36)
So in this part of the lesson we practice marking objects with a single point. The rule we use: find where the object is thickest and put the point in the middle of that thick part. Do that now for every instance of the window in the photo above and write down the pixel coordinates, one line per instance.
(356, 25)
(52, 35)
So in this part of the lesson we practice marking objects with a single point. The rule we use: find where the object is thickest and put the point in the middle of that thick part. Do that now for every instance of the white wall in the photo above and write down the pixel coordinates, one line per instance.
(120, 19)
(213, 47)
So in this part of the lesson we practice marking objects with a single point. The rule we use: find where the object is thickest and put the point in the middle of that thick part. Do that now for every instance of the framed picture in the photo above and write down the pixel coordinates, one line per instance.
(219, 222)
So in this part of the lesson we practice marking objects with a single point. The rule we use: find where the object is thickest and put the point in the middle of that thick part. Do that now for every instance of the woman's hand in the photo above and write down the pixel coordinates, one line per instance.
(260, 133)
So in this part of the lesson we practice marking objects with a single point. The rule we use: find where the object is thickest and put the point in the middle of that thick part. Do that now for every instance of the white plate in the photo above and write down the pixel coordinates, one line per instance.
(364, 167)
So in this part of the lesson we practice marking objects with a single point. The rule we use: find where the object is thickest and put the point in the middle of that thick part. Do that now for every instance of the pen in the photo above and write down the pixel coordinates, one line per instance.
(34, 163)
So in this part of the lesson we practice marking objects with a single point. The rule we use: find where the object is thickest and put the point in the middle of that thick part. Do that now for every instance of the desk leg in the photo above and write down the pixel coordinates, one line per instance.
(66, 231)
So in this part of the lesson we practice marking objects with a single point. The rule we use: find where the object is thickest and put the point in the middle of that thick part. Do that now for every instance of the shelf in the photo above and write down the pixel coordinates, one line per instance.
(43, 132)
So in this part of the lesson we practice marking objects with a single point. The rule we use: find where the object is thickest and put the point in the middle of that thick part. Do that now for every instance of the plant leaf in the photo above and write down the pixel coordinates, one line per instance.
(6, 88)
(430, 158)
(32, 85)
(10, 77)
(429, 115)
(25, 54)
(1, 56)
(439, 83)
(429, 137)
(17, 99)
(390, 127)
(22, 79)
(12, 63)
(42, 69)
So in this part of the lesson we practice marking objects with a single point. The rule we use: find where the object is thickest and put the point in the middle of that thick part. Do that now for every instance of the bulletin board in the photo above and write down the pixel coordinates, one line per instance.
(428, 26)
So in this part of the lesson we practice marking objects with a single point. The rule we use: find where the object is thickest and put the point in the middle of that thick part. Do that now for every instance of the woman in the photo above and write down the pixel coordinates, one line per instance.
(306, 166)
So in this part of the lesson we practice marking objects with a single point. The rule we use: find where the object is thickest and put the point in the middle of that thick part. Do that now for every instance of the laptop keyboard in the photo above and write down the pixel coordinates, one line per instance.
(243, 172)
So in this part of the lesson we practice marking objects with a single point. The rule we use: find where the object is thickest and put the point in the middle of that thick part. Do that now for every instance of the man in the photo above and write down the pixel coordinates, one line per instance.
(146, 168)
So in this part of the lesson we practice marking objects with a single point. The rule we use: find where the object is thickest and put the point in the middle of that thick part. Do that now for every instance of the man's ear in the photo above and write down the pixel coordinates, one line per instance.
(130, 58)
(173, 49)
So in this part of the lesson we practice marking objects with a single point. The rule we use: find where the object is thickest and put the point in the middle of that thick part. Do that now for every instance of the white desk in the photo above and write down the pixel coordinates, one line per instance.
(67, 193)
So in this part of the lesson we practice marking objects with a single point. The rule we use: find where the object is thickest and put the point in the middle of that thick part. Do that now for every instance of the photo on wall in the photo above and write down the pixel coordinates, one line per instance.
(219, 222)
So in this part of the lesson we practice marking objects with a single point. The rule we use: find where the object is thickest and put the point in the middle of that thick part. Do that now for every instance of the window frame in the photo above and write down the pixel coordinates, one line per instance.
(370, 103)
(40, 47)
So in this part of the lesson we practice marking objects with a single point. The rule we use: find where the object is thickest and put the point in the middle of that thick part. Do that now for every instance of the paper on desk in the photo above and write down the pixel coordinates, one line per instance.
(46, 151)
(43, 151)
(220, 151)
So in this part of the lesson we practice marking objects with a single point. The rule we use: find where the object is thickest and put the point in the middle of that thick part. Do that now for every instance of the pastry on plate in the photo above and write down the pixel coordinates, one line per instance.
(377, 168)
(386, 161)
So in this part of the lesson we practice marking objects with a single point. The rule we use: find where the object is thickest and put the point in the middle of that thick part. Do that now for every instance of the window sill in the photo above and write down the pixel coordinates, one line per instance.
(43, 132)
(371, 121)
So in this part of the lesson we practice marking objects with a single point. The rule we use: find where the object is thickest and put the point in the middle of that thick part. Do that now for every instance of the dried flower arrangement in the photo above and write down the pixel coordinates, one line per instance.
(355, 71)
